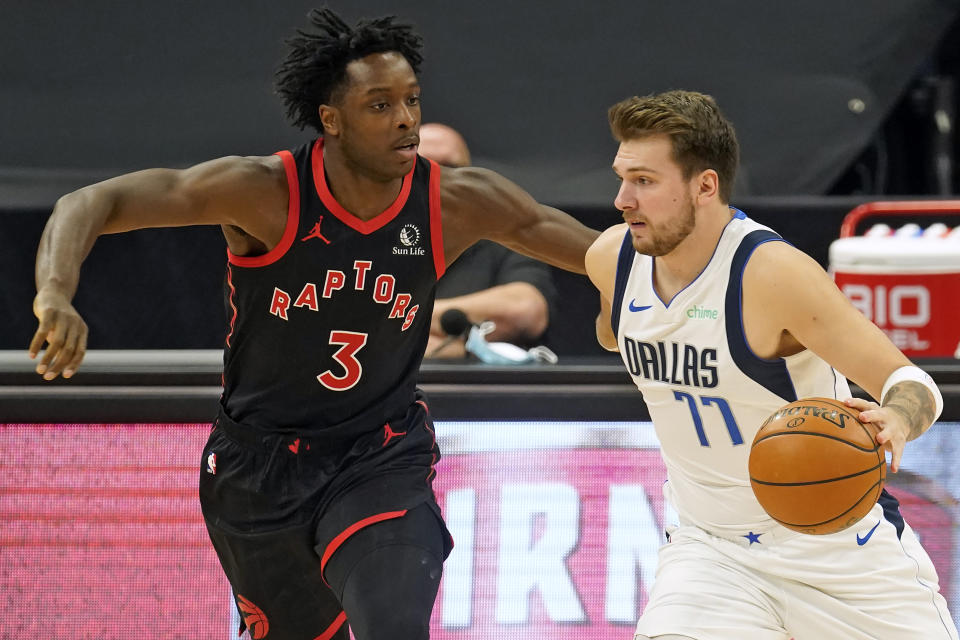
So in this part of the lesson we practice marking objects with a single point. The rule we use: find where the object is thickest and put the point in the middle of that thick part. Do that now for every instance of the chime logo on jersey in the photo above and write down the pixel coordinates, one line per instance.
(410, 239)
(311, 295)
(697, 312)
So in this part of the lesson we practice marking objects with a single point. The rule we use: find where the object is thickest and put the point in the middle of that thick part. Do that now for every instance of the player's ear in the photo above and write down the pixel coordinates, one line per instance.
(330, 119)
(708, 186)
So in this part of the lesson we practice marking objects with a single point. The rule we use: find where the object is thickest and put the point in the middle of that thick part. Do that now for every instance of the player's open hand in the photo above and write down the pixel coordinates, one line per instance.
(891, 424)
(64, 332)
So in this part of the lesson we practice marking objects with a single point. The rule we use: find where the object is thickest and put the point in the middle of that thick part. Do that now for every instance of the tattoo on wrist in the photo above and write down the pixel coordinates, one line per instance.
(912, 401)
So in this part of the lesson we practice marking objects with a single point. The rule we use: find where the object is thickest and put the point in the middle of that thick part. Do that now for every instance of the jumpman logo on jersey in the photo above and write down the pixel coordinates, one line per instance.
(389, 434)
(315, 233)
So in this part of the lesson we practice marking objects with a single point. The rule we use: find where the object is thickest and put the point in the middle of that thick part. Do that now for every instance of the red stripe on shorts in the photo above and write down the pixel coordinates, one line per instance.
(333, 628)
(349, 531)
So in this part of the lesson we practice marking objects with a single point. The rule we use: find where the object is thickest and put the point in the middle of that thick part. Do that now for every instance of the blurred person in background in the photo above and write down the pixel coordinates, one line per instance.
(488, 281)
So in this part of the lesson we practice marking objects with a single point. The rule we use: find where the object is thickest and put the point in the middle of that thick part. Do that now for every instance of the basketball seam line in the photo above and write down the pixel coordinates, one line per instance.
(819, 435)
(822, 481)
(817, 524)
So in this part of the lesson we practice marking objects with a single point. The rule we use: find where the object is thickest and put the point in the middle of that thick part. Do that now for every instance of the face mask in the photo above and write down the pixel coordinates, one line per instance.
(503, 353)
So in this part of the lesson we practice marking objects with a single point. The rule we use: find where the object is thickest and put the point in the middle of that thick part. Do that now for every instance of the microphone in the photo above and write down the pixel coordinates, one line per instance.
(456, 324)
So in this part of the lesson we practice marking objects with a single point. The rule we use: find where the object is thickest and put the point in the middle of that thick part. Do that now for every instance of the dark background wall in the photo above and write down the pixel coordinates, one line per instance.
(90, 88)
(838, 99)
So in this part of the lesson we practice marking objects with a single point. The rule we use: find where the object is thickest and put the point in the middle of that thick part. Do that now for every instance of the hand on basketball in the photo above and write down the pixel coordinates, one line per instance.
(893, 429)
(64, 331)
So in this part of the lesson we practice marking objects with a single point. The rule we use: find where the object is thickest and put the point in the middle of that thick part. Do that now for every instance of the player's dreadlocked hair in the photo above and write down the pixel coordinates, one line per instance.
(316, 63)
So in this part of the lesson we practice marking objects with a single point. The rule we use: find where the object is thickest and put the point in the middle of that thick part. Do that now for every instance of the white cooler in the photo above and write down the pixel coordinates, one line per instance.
(909, 287)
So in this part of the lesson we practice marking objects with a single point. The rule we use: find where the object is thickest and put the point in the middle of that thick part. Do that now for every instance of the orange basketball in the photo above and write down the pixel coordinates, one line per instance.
(815, 468)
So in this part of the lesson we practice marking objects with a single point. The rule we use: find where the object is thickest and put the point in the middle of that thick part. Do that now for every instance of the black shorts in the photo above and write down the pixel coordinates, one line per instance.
(278, 507)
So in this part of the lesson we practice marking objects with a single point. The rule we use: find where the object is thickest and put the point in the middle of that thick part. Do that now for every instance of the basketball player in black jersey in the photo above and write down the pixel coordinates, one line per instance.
(316, 480)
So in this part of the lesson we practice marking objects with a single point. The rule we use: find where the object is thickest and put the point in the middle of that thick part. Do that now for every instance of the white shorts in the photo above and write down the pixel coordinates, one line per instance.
(853, 585)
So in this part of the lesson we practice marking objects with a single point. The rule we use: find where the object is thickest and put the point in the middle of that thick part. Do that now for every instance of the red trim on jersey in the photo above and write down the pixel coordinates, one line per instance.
(333, 628)
(352, 529)
(433, 454)
(293, 221)
(436, 228)
(363, 226)
(233, 292)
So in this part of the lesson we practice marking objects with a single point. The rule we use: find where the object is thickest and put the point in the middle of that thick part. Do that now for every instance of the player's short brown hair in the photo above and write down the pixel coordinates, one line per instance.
(702, 137)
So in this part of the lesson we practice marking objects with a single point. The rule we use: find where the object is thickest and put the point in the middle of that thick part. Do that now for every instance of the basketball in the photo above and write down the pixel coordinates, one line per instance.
(815, 468)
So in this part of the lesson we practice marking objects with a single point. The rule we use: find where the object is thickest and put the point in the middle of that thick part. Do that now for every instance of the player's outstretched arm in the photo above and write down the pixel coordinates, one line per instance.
(230, 191)
(789, 298)
(479, 203)
(601, 263)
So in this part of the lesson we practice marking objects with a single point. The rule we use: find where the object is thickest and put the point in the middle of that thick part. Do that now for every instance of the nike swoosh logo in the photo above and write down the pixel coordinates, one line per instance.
(634, 307)
(862, 541)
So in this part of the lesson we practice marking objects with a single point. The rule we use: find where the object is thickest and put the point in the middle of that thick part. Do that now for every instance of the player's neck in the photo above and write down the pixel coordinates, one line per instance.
(680, 267)
(355, 188)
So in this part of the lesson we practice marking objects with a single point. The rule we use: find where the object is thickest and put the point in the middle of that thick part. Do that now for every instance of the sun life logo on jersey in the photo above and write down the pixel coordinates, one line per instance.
(410, 239)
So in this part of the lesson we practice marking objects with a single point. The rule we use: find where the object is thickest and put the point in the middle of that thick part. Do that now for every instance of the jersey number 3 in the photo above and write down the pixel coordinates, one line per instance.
(346, 356)
(722, 405)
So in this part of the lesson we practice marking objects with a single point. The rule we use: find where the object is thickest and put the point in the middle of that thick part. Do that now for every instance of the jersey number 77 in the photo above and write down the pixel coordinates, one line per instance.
(722, 406)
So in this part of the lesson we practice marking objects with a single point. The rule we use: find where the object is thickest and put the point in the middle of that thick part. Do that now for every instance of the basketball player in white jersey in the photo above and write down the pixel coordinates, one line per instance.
(720, 322)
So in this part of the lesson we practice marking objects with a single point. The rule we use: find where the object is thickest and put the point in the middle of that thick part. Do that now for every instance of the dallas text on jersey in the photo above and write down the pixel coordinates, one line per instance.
(668, 361)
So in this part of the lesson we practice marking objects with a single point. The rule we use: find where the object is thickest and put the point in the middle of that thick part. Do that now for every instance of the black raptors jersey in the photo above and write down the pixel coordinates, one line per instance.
(328, 329)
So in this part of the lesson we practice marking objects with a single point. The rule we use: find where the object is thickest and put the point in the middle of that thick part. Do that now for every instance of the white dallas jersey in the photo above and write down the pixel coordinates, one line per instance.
(707, 392)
